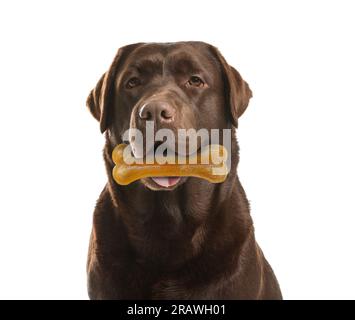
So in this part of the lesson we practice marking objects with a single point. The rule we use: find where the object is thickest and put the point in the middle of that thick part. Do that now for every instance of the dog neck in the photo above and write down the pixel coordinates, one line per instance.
(165, 224)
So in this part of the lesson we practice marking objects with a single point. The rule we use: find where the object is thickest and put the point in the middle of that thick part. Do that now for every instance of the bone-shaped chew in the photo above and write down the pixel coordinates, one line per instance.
(198, 165)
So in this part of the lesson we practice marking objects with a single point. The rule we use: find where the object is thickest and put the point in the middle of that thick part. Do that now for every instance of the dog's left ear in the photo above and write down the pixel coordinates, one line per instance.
(237, 91)
(100, 99)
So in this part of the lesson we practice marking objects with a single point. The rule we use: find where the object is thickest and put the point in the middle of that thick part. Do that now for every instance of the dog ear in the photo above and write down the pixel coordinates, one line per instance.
(100, 99)
(237, 91)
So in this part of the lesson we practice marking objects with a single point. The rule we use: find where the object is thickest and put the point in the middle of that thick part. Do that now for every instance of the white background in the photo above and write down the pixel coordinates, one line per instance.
(296, 138)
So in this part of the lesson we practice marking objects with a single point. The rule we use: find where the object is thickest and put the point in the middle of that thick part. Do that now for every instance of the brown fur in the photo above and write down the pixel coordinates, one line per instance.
(197, 240)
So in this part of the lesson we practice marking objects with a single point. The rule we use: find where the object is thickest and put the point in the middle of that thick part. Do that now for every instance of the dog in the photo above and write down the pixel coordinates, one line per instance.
(173, 238)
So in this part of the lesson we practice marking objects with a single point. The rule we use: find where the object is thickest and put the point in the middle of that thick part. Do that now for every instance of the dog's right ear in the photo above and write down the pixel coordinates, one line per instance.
(237, 90)
(100, 99)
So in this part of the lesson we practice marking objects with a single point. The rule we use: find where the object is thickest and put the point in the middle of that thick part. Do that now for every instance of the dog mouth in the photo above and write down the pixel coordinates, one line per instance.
(166, 182)
(163, 183)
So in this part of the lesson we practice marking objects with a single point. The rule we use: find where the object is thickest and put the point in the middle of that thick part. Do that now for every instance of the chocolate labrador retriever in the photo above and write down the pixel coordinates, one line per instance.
(173, 238)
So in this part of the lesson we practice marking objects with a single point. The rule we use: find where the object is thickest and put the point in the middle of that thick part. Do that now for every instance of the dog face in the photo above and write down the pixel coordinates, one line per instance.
(184, 85)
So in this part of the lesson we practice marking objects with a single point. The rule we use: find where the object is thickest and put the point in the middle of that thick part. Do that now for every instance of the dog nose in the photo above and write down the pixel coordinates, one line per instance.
(157, 111)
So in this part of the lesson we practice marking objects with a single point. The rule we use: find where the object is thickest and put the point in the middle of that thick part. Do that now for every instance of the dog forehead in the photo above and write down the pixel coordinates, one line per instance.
(177, 57)
(169, 51)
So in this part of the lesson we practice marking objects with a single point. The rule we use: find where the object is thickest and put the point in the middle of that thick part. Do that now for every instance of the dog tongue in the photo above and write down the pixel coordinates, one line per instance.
(166, 181)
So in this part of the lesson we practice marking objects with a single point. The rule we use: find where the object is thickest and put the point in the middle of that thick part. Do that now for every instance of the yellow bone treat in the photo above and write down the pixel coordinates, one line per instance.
(198, 165)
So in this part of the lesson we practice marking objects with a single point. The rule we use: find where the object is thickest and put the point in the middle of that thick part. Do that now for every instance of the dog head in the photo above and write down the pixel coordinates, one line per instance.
(184, 85)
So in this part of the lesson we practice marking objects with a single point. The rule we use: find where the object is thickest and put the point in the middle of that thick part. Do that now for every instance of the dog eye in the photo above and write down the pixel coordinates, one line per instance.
(195, 81)
(133, 82)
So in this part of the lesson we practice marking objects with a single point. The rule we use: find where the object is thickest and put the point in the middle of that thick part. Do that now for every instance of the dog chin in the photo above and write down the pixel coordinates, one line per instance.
(163, 183)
